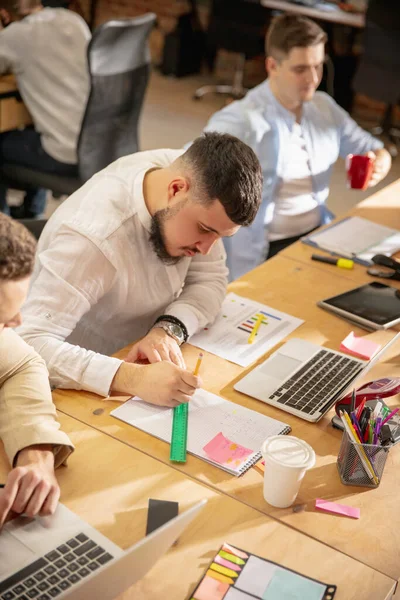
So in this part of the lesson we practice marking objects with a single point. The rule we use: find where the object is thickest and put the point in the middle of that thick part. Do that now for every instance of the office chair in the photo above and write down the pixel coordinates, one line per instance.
(119, 66)
(237, 26)
(378, 75)
(35, 226)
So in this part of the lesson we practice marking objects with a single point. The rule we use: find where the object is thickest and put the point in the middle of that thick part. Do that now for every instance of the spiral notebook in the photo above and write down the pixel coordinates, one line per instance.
(209, 417)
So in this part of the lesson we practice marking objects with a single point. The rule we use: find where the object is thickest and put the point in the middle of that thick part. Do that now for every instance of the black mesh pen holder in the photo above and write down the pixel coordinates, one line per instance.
(361, 464)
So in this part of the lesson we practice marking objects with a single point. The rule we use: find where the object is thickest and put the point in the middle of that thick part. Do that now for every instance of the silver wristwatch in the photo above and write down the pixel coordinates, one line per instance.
(173, 330)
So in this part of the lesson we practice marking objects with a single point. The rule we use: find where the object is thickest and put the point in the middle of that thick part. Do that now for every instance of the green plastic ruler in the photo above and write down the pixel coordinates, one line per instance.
(179, 433)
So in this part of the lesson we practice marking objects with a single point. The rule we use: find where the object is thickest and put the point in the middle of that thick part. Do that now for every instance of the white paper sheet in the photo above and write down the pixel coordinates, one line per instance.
(209, 414)
(228, 336)
(356, 237)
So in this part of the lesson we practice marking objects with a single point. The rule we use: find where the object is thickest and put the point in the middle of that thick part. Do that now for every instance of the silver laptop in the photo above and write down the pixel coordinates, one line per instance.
(64, 557)
(305, 379)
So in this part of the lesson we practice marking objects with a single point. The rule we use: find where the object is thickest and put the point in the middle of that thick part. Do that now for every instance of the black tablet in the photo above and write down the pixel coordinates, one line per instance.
(372, 306)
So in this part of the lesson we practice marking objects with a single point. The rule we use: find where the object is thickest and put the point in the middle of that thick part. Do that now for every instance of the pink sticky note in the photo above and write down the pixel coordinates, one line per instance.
(223, 451)
(359, 346)
(339, 509)
(232, 550)
(211, 589)
(226, 563)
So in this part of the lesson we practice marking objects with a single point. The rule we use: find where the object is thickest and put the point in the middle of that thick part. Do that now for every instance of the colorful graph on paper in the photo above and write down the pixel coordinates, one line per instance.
(228, 335)
(248, 325)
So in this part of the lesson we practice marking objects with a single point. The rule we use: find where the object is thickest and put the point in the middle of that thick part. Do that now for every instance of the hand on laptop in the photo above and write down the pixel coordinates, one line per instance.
(160, 383)
(31, 487)
(156, 346)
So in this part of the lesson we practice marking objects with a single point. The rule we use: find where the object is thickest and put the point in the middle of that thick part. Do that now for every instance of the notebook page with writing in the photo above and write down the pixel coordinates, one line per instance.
(208, 415)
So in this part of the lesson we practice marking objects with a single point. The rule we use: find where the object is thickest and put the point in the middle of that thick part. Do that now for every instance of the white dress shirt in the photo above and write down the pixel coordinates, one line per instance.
(295, 210)
(98, 285)
(46, 51)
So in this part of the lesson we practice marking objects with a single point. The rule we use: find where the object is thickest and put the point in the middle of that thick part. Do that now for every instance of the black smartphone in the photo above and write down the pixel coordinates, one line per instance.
(337, 423)
(160, 512)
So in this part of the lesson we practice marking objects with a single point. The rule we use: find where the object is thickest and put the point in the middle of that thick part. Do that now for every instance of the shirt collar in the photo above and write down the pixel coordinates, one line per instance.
(286, 114)
(138, 198)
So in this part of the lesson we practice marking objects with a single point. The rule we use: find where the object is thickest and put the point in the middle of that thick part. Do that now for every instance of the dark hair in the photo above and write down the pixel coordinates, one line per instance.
(292, 31)
(227, 170)
(17, 250)
(19, 8)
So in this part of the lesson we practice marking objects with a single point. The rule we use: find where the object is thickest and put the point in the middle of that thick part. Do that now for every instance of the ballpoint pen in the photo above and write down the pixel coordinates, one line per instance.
(360, 408)
(356, 427)
(386, 419)
(353, 401)
(377, 429)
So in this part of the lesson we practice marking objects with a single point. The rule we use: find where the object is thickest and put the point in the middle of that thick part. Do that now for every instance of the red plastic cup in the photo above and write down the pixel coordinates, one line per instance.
(359, 171)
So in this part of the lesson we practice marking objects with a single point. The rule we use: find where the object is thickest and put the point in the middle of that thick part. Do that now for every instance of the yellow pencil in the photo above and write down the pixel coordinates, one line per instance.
(255, 328)
(198, 364)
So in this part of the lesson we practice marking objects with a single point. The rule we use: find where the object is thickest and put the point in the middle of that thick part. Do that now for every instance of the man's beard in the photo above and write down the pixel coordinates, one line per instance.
(157, 238)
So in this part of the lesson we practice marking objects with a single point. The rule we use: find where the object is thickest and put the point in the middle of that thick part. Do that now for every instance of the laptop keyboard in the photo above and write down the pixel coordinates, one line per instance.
(310, 388)
(55, 572)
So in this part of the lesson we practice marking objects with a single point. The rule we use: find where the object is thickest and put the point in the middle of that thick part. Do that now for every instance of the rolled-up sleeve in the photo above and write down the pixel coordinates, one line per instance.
(27, 412)
(73, 275)
(204, 290)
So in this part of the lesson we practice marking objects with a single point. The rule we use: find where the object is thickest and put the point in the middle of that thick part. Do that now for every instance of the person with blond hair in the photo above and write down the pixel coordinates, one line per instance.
(45, 48)
(29, 429)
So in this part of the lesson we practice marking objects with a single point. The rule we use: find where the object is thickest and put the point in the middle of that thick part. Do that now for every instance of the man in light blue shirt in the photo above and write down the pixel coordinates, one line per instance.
(297, 134)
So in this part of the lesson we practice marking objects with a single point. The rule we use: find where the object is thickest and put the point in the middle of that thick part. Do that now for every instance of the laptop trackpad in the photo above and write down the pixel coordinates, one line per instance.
(280, 366)
(13, 554)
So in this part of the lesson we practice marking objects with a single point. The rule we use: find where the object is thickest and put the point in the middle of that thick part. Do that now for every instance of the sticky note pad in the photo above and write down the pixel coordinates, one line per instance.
(211, 589)
(224, 451)
(286, 585)
(359, 346)
(339, 509)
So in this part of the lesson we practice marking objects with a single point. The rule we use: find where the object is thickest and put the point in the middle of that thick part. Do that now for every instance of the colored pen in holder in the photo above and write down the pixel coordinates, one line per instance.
(361, 464)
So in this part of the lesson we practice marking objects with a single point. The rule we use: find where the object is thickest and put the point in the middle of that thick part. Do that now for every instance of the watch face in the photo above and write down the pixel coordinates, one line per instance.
(176, 330)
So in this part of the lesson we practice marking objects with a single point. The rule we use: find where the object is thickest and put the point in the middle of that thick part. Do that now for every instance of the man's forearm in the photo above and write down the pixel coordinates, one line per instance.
(127, 378)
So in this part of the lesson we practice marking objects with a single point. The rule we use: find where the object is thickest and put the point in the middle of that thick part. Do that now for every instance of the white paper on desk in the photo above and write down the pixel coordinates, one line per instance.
(209, 414)
(355, 236)
(228, 336)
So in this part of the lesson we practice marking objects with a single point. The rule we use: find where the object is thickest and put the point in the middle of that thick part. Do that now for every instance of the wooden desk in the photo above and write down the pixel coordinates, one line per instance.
(335, 16)
(13, 113)
(293, 288)
(383, 208)
(108, 484)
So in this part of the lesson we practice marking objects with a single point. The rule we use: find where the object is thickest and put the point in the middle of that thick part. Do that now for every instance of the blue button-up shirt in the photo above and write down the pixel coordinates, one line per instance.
(265, 125)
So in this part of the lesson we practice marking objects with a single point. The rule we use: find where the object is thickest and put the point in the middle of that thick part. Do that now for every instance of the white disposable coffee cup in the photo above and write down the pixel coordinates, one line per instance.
(286, 460)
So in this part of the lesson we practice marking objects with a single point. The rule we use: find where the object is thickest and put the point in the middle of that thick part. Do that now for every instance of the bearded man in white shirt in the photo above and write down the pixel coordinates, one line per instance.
(136, 254)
